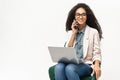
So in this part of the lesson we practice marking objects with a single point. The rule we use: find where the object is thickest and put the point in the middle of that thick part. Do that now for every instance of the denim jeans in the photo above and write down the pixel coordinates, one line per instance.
(72, 71)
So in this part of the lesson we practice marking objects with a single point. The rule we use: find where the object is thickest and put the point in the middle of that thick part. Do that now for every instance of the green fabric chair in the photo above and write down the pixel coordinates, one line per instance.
(52, 76)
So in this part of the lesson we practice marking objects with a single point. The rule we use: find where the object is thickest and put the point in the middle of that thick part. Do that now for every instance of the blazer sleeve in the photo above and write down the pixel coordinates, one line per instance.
(96, 47)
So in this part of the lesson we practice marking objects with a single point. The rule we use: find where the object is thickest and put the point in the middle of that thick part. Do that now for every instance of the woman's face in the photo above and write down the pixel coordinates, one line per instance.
(80, 16)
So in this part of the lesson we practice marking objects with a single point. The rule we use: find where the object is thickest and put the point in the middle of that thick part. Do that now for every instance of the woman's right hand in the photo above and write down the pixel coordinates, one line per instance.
(74, 23)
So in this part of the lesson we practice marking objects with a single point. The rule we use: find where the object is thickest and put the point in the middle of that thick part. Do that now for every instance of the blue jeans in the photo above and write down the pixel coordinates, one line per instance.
(72, 71)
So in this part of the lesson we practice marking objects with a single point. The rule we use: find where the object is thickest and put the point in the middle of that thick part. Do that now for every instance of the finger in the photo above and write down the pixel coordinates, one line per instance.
(74, 21)
(100, 72)
(73, 24)
(97, 74)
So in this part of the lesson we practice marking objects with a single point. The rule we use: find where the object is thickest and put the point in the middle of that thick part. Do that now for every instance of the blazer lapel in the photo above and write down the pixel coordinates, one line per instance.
(85, 41)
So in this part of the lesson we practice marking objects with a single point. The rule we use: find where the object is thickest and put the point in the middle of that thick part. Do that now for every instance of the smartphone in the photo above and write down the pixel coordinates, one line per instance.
(76, 26)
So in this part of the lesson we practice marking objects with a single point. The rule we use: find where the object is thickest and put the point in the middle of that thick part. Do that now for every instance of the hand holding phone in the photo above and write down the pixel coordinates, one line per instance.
(76, 25)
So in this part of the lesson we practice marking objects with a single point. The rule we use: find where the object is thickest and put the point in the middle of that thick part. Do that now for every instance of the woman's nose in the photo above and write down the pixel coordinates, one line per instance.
(80, 16)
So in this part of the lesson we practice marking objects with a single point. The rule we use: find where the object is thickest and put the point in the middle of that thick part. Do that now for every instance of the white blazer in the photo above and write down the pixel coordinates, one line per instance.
(91, 45)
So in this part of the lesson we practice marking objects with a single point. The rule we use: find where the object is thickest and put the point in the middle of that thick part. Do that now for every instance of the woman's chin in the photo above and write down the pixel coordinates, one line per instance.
(81, 23)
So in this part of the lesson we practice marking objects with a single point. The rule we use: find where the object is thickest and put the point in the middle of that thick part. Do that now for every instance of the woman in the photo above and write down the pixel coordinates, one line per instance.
(85, 35)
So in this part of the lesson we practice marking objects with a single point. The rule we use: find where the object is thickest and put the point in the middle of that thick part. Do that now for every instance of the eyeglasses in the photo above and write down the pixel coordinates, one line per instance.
(78, 14)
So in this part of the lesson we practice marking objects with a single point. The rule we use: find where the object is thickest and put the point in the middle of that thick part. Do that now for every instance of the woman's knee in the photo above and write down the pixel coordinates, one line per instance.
(70, 68)
(59, 66)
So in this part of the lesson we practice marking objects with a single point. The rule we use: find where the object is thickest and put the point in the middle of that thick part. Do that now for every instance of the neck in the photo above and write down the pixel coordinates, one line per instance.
(81, 26)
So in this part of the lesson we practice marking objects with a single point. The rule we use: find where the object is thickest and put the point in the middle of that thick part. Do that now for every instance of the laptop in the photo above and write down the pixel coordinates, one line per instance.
(63, 54)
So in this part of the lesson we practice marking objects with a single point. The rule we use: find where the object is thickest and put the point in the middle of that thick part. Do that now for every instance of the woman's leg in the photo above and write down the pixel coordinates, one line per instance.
(75, 72)
(60, 71)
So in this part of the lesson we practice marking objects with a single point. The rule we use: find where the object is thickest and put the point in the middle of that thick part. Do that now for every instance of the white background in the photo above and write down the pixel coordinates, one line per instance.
(27, 27)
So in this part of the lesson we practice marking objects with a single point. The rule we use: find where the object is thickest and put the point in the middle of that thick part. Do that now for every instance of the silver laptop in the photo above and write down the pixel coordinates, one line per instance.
(63, 54)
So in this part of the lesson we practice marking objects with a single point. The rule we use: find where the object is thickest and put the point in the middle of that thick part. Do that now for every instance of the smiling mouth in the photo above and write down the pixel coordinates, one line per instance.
(81, 20)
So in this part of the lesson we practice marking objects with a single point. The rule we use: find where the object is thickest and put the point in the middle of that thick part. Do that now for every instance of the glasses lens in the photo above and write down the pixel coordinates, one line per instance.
(78, 14)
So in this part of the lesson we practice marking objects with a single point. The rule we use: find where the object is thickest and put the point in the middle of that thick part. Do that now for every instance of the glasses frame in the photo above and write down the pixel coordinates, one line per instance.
(78, 14)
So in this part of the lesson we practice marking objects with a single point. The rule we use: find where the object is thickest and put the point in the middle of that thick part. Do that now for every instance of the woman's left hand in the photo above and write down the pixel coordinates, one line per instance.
(97, 71)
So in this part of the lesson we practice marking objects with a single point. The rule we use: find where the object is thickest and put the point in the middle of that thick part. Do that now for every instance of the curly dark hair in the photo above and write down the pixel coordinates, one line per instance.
(91, 19)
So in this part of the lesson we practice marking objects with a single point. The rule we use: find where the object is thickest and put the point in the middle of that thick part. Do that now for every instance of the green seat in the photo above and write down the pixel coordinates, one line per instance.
(52, 76)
